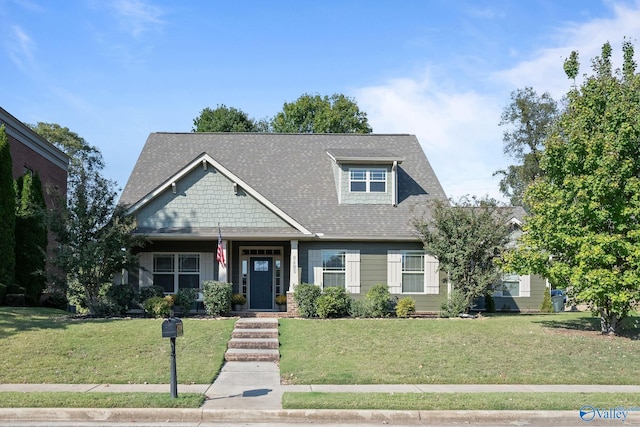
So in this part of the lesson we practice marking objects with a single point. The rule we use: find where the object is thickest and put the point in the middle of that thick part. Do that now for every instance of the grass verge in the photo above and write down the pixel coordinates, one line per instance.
(98, 400)
(564, 348)
(457, 401)
(47, 346)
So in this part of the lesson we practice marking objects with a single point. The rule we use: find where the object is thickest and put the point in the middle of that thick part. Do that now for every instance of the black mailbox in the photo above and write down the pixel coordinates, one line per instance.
(171, 328)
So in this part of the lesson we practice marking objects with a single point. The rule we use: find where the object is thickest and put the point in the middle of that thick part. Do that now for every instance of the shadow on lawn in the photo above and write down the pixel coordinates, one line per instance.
(14, 320)
(630, 327)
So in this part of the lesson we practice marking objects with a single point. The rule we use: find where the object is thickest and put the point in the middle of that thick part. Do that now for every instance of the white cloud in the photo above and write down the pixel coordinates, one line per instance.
(458, 130)
(20, 47)
(544, 72)
(137, 16)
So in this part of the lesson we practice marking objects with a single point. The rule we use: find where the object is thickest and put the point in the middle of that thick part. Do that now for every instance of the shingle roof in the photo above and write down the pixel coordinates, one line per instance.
(293, 171)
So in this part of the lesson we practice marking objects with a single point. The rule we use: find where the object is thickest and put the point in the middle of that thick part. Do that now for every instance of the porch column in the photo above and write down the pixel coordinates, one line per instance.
(293, 269)
(222, 262)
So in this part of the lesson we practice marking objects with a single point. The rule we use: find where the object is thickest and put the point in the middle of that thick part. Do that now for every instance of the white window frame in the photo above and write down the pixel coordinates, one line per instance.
(351, 268)
(368, 179)
(177, 269)
(395, 272)
(524, 286)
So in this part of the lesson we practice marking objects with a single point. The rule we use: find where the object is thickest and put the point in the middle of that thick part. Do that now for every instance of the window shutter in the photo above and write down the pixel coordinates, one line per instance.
(431, 275)
(394, 271)
(352, 271)
(146, 269)
(315, 267)
(525, 285)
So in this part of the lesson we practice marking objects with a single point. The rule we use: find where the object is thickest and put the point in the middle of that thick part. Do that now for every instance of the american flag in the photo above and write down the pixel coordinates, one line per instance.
(220, 254)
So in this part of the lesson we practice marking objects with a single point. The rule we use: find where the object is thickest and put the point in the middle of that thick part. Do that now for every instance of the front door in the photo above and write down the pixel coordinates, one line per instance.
(261, 283)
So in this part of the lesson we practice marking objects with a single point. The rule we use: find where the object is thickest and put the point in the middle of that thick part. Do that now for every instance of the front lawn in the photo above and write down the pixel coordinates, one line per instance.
(458, 401)
(42, 345)
(99, 400)
(564, 348)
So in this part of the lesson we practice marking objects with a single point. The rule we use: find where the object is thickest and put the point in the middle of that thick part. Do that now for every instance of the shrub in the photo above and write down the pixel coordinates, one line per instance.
(547, 305)
(150, 291)
(217, 297)
(119, 297)
(55, 299)
(489, 304)
(379, 301)
(333, 302)
(359, 308)
(238, 299)
(306, 297)
(454, 305)
(405, 307)
(185, 298)
(157, 307)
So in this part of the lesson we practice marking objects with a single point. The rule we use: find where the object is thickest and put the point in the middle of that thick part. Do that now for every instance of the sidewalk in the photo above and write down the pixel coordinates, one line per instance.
(253, 393)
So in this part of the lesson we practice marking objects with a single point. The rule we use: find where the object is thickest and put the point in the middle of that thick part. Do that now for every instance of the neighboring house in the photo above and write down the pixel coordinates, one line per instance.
(30, 153)
(328, 209)
(515, 292)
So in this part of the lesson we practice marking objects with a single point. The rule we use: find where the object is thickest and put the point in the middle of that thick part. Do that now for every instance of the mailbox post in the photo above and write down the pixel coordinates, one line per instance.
(172, 328)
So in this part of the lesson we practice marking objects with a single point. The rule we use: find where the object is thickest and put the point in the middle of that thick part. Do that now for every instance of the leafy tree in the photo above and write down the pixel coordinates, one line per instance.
(7, 213)
(93, 234)
(316, 114)
(31, 236)
(530, 118)
(226, 119)
(467, 238)
(584, 227)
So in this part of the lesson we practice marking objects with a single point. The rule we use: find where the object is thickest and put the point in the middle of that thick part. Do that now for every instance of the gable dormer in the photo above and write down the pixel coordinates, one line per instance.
(365, 176)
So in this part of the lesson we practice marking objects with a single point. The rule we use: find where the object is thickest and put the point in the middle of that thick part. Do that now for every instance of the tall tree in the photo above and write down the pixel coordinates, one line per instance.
(225, 119)
(31, 236)
(584, 227)
(93, 234)
(467, 238)
(7, 213)
(321, 114)
(529, 118)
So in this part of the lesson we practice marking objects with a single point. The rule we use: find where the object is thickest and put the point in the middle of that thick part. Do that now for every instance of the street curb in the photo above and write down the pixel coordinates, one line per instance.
(163, 415)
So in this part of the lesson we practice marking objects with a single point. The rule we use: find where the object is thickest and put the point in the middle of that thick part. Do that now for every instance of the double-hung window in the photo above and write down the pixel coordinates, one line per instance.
(365, 180)
(413, 272)
(173, 272)
(333, 268)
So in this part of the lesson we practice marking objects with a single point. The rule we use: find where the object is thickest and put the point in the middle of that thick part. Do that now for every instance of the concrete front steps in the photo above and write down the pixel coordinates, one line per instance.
(254, 340)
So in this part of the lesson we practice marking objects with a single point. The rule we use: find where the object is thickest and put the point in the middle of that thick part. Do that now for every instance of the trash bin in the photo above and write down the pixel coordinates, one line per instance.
(558, 303)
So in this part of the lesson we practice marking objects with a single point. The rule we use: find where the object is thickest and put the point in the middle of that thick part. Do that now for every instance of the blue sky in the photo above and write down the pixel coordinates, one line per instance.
(114, 71)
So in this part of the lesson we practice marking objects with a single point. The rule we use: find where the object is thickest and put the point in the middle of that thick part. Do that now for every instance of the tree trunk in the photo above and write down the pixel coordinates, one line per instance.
(609, 322)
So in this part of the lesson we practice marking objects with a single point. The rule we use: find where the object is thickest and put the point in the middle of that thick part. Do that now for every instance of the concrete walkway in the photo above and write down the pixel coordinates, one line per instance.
(253, 393)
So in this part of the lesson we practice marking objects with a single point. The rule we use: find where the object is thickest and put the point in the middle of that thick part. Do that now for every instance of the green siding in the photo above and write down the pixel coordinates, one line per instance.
(373, 268)
(206, 198)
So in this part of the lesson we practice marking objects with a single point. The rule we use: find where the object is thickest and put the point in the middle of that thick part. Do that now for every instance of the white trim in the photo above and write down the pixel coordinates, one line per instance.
(431, 275)
(228, 174)
(394, 271)
(352, 271)
(525, 285)
(315, 267)
(293, 266)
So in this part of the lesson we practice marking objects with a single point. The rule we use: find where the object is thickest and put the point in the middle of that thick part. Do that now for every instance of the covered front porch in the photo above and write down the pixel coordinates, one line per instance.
(259, 270)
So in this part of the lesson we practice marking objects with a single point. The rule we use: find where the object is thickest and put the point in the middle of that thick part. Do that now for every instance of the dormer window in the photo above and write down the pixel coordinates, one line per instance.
(367, 180)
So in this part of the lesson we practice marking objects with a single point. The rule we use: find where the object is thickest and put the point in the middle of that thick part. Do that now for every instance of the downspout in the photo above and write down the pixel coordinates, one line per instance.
(394, 188)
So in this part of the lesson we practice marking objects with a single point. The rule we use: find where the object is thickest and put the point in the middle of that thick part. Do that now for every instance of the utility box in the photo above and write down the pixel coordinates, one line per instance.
(171, 328)
(558, 303)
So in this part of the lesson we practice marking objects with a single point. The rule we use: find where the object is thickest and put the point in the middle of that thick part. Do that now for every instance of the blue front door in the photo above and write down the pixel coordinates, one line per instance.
(261, 283)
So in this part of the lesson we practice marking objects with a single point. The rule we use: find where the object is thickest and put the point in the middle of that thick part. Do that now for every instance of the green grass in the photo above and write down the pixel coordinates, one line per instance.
(42, 345)
(458, 401)
(502, 349)
(99, 400)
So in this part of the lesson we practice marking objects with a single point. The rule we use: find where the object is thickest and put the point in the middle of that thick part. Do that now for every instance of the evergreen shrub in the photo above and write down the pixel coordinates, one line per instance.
(217, 297)
(333, 302)
(306, 297)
